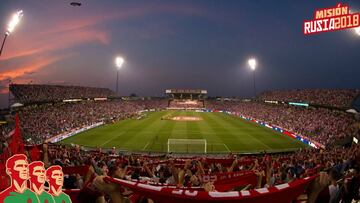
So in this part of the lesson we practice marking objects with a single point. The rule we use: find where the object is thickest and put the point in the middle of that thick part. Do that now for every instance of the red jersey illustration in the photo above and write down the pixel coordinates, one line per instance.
(18, 192)
(55, 178)
(37, 181)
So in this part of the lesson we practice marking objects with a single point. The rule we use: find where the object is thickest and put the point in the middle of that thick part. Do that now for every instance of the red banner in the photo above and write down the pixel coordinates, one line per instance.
(228, 181)
(222, 161)
(222, 181)
(283, 193)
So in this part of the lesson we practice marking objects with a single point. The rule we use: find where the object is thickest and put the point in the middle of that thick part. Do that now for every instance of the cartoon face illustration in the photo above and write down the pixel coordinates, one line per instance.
(40, 173)
(37, 172)
(58, 176)
(55, 178)
(17, 167)
(21, 166)
(20, 172)
(55, 175)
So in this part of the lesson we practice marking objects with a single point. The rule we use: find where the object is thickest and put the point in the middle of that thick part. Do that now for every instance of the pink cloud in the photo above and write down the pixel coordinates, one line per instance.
(29, 68)
(26, 52)
(56, 42)
(66, 31)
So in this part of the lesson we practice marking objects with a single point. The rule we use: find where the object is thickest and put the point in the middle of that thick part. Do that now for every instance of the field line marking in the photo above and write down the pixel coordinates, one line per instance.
(227, 148)
(253, 137)
(223, 144)
(111, 139)
(259, 141)
(145, 146)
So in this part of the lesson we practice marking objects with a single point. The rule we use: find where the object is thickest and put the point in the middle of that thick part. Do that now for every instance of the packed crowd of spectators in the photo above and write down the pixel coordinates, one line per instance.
(48, 120)
(322, 125)
(325, 126)
(186, 104)
(339, 171)
(325, 97)
(25, 93)
(339, 180)
(5, 132)
(155, 103)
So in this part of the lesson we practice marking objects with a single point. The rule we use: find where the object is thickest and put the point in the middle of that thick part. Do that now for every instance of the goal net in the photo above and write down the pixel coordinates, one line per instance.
(187, 145)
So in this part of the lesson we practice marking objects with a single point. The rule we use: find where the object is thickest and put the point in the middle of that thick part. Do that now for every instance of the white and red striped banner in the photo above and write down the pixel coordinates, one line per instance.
(222, 181)
(228, 181)
(283, 193)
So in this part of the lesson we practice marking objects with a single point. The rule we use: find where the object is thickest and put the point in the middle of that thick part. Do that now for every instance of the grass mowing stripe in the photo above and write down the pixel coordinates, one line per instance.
(264, 134)
(163, 134)
(192, 127)
(229, 121)
(125, 141)
(214, 142)
(179, 129)
(224, 134)
(109, 140)
(137, 139)
(97, 135)
(152, 133)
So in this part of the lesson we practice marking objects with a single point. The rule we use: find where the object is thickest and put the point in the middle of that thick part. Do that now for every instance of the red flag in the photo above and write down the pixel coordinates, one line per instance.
(17, 145)
(35, 154)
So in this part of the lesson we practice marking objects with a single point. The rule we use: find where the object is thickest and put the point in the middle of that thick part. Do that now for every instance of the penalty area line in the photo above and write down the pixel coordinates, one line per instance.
(146, 146)
(227, 148)
(111, 139)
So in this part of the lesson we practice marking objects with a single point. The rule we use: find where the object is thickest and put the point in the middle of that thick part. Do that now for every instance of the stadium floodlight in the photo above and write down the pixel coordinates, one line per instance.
(252, 64)
(119, 61)
(357, 30)
(11, 26)
(14, 21)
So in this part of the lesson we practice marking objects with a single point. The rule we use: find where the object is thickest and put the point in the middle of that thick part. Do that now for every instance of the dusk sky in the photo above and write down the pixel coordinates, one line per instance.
(176, 44)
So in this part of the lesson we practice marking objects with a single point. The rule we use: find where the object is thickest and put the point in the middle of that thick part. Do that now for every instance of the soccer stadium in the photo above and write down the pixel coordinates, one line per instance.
(186, 126)
(177, 127)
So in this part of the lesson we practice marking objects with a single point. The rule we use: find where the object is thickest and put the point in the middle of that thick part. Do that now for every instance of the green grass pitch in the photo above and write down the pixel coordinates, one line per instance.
(223, 133)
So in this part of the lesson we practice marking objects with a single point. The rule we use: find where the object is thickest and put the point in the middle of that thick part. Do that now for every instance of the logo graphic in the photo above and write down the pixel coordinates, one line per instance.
(21, 173)
(331, 19)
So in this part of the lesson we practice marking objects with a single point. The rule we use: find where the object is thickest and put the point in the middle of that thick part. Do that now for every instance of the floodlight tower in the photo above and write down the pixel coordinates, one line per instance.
(252, 64)
(11, 26)
(119, 61)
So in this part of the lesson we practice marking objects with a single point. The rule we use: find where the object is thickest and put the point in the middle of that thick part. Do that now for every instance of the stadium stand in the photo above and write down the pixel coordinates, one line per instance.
(323, 125)
(326, 97)
(211, 177)
(185, 104)
(40, 122)
(310, 175)
(186, 98)
(25, 93)
(45, 121)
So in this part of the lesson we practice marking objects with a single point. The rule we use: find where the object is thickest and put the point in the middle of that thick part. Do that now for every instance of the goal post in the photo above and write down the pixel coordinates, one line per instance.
(187, 145)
